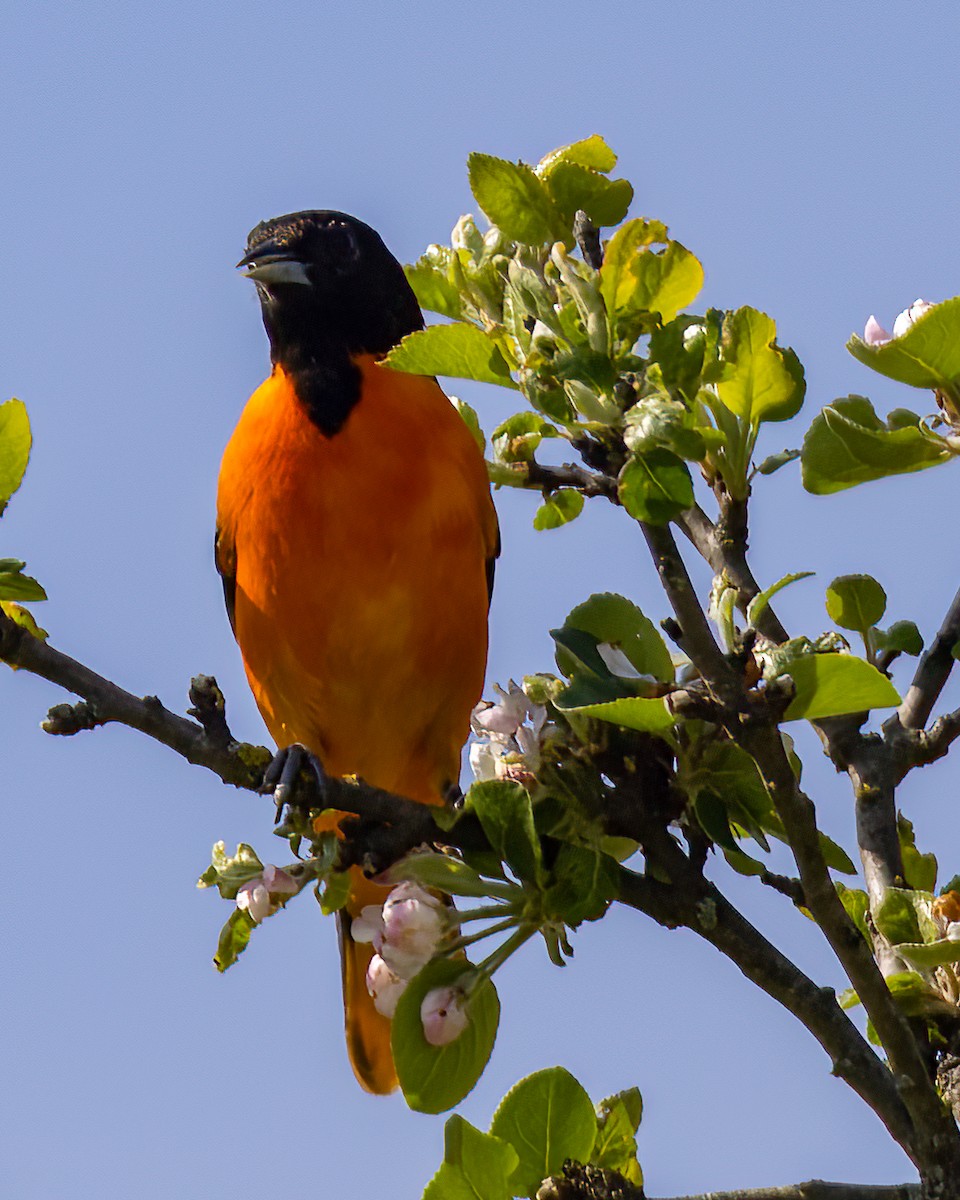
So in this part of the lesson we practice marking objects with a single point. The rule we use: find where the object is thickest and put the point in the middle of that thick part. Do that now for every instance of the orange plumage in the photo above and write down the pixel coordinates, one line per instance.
(355, 534)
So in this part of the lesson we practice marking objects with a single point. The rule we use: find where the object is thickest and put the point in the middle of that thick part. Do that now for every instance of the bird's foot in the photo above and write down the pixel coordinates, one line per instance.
(283, 774)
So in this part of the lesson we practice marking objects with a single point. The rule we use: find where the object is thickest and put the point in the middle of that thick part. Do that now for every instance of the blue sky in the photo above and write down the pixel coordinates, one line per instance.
(807, 155)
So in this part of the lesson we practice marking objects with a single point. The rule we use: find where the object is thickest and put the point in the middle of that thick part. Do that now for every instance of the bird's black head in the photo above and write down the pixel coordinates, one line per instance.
(329, 290)
(326, 279)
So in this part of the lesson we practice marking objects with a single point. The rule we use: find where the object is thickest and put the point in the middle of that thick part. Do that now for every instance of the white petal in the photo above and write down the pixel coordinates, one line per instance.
(874, 333)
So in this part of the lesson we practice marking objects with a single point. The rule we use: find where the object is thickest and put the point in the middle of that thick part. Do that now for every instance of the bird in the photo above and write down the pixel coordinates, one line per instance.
(356, 540)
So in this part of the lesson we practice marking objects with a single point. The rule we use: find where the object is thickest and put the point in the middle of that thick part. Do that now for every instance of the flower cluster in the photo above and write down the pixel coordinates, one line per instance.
(509, 736)
(406, 932)
(263, 895)
(875, 335)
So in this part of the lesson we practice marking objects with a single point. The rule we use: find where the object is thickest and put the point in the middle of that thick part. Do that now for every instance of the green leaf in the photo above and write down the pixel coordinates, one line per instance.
(832, 685)
(847, 444)
(584, 883)
(916, 998)
(16, 586)
(896, 917)
(15, 443)
(592, 152)
(743, 864)
(25, 619)
(471, 420)
(618, 280)
(857, 904)
(615, 619)
(573, 186)
(711, 813)
(558, 509)
(929, 954)
(763, 381)
(228, 873)
(547, 1118)
(919, 870)
(505, 812)
(666, 281)
(902, 636)
(618, 1119)
(632, 712)
(775, 461)
(655, 486)
(476, 1166)
(335, 893)
(761, 601)
(515, 199)
(233, 940)
(447, 874)
(461, 351)
(435, 1078)
(516, 439)
(433, 288)
(926, 356)
(856, 602)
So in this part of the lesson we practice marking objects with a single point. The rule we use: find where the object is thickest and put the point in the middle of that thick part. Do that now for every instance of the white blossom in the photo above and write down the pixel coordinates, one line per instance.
(444, 1016)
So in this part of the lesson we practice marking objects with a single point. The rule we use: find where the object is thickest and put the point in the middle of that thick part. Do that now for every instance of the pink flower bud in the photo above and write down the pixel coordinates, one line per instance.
(444, 1016)
(874, 333)
(257, 896)
(413, 924)
(384, 986)
(279, 883)
(254, 898)
(916, 310)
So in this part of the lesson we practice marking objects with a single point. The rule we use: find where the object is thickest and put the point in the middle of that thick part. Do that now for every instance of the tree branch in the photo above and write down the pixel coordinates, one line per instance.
(538, 477)
(933, 671)
(816, 1189)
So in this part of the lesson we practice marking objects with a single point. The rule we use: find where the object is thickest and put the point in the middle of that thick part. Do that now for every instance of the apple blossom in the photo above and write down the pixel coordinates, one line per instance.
(384, 986)
(509, 736)
(444, 1016)
(874, 333)
(256, 897)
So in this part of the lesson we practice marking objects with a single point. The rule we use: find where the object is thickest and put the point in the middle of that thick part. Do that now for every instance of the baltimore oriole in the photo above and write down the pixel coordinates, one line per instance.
(356, 538)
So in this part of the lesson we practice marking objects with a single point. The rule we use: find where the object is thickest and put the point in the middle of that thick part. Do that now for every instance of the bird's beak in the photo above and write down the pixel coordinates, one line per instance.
(268, 263)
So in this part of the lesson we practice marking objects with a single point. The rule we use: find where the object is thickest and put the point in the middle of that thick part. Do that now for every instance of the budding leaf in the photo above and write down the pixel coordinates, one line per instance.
(919, 870)
(435, 1078)
(15, 443)
(775, 461)
(618, 1119)
(559, 508)
(547, 1118)
(476, 1166)
(763, 381)
(515, 199)
(655, 486)
(832, 685)
(228, 873)
(460, 351)
(927, 355)
(856, 602)
(857, 905)
(25, 619)
(847, 444)
(903, 636)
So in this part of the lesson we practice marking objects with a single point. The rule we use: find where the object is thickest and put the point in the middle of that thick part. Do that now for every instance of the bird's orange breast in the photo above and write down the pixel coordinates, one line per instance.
(361, 594)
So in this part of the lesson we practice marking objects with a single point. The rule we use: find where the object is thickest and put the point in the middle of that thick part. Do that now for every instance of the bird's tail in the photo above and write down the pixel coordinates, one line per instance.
(368, 1032)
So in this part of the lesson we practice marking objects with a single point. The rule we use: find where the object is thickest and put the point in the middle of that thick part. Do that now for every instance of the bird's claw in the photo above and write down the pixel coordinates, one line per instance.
(282, 774)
